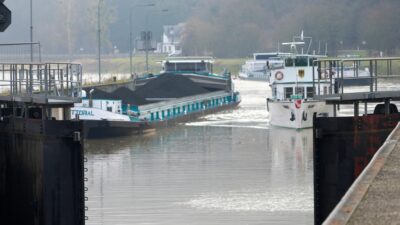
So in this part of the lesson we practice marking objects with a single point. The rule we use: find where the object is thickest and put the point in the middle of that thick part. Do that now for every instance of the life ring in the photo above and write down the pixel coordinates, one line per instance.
(279, 75)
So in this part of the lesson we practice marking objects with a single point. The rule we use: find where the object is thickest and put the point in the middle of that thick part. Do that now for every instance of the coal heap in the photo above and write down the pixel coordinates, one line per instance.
(126, 95)
(170, 86)
(129, 97)
(98, 94)
(164, 86)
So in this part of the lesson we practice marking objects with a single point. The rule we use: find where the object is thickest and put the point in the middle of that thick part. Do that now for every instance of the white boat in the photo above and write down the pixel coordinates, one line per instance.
(350, 76)
(254, 69)
(259, 67)
(292, 104)
(186, 89)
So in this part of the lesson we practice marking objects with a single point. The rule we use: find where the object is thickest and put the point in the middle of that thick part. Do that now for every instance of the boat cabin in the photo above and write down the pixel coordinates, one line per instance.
(294, 79)
(254, 66)
(188, 64)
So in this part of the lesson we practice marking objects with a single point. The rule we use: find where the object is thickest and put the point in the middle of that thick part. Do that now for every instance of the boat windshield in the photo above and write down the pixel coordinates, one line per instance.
(299, 61)
(294, 92)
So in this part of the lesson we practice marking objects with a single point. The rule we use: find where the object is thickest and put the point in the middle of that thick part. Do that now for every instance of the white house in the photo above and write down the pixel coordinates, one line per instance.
(172, 39)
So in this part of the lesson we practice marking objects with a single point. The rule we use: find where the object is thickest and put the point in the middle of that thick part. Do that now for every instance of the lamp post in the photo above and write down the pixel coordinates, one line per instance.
(31, 29)
(131, 34)
(99, 38)
(148, 38)
(130, 41)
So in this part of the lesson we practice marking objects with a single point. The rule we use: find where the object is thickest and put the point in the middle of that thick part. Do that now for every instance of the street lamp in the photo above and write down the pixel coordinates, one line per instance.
(148, 38)
(130, 41)
(31, 29)
(131, 35)
(99, 38)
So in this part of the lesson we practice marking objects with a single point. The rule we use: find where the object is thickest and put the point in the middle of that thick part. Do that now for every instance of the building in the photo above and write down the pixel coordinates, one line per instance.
(171, 40)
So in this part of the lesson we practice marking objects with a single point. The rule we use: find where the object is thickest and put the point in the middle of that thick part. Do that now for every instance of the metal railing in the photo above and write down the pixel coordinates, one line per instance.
(20, 52)
(356, 75)
(40, 81)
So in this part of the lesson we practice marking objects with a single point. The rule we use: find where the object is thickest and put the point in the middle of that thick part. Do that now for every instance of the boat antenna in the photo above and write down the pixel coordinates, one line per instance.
(319, 47)
(279, 47)
(326, 48)
(293, 45)
(303, 39)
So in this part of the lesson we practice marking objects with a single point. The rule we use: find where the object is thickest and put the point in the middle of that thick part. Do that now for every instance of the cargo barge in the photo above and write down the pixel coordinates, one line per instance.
(173, 96)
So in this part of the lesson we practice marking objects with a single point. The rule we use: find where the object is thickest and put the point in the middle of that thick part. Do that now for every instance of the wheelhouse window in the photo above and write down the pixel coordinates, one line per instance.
(289, 62)
(310, 92)
(301, 61)
(197, 67)
(300, 91)
(288, 92)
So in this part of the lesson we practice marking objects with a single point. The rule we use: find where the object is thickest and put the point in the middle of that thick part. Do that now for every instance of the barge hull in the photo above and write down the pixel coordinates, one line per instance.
(97, 129)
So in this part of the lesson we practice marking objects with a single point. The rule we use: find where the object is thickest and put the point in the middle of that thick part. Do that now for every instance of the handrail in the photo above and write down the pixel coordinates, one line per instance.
(378, 70)
(41, 80)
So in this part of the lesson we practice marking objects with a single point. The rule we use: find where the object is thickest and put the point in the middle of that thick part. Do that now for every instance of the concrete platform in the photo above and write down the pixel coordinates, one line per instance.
(374, 198)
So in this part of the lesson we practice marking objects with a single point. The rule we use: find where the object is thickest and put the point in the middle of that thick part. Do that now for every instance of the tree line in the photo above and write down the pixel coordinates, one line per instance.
(231, 28)
(222, 28)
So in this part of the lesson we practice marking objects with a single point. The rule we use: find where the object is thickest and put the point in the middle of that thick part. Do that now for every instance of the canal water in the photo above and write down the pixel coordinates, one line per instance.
(226, 168)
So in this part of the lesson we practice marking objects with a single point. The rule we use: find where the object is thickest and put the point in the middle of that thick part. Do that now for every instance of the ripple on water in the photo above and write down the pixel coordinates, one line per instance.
(267, 201)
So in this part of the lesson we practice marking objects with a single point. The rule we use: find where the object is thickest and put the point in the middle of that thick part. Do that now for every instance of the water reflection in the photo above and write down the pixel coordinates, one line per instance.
(216, 175)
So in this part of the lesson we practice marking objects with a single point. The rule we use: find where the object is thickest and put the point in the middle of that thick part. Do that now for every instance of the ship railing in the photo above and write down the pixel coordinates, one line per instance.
(202, 73)
(381, 78)
(43, 83)
(202, 99)
(205, 58)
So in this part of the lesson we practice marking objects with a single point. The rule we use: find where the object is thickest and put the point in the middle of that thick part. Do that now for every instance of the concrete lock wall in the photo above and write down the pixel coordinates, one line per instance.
(343, 147)
(41, 173)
